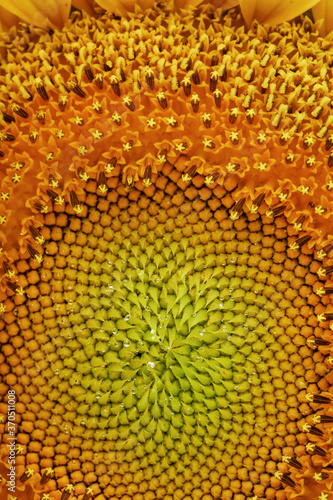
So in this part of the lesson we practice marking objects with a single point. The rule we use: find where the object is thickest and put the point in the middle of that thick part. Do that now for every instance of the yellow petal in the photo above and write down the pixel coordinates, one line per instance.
(122, 7)
(86, 5)
(273, 11)
(7, 20)
(324, 10)
(42, 13)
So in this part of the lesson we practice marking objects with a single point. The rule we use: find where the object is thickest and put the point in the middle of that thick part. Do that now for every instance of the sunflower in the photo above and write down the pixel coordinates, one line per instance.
(166, 252)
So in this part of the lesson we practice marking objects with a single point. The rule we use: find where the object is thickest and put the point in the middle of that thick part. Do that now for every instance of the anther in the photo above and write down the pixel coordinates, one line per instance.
(188, 176)
(7, 118)
(99, 80)
(26, 475)
(151, 123)
(54, 197)
(162, 100)
(150, 78)
(181, 146)
(36, 235)
(186, 83)
(43, 209)
(324, 317)
(102, 186)
(196, 77)
(276, 212)
(322, 419)
(195, 100)
(147, 176)
(33, 136)
(6, 137)
(207, 120)
(233, 115)
(256, 203)
(76, 89)
(292, 461)
(53, 182)
(316, 342)
(82, 174)
(97, 107)
(250, 114)
(162, 156)
(212, 178)
(34, 254)
(116, 118)
(67, 492)
(127, 146)
(276, 120)
(237, 209)
(208, 143)
(88, 494)
(261, 138)
(270, 98)
(172, 122)
(63, 100)
(330, 160)
(41, 89)
(329, 143)
(217, 98)
(234, 138)
(324, 251)
(77, 207)
(8, 270)
(129, 103)
(107, 65)
(284, 478)
(46, 475)
(325, 271)
(111, 165)
(19, 111)
(298, 224)
(267, 80)
(316, 398)
(214, 76)
(248, 97)
(232, 167)
(319, 109)
(324, 129)
(316, 450)
(299, 242)
(88, 73)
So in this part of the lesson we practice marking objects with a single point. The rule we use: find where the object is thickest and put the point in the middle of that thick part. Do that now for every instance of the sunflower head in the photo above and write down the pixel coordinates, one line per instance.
(166, 258)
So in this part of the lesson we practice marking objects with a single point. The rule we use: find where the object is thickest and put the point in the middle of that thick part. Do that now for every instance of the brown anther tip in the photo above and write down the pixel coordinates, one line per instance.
(321, 399)
(295, 463)
(8, 270)
(150, 78)
(162, 100)
(42, 92)
(6, 137)
(52, 195)
(287, 480)
(76, 89)
(278, 211)
(8, 118)
(40, 115)
(19, 111)
(187, 86)
(88, 73)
